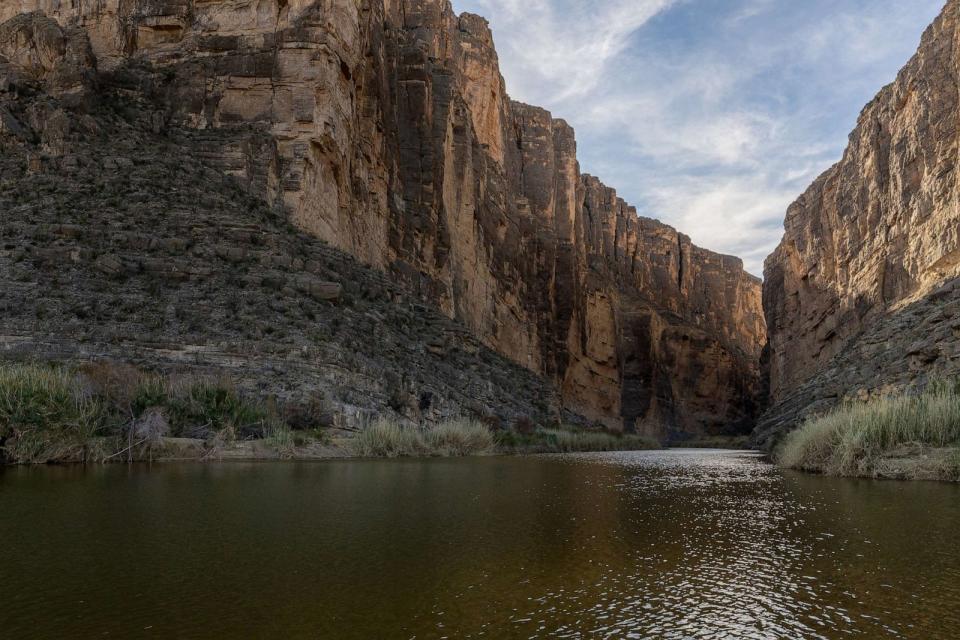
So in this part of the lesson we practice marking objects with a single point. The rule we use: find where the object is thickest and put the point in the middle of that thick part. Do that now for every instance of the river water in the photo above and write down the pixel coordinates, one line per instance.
(675, 544)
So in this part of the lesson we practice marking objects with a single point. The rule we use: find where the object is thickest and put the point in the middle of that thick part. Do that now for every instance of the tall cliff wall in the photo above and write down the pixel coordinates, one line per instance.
(861, 296)
(391, 136)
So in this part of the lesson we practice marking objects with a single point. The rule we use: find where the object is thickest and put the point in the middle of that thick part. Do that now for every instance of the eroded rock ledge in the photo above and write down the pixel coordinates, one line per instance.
(384, 128)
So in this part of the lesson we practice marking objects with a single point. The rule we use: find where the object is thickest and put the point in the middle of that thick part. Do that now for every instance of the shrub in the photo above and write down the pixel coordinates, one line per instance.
(206, 406)
(852, 438)
(524, 426)
(117, 383)
(311, 413)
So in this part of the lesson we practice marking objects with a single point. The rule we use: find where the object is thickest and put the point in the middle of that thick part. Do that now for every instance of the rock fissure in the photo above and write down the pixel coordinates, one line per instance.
(680, 262)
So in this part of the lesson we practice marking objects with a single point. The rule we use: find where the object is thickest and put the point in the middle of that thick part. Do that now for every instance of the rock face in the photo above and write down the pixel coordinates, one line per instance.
(861, 297)
(35, 46)
(384, 128)
(119, 243)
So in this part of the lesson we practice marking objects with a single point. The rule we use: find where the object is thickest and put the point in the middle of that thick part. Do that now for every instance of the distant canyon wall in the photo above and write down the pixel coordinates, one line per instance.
(861, 297)
(392, 137)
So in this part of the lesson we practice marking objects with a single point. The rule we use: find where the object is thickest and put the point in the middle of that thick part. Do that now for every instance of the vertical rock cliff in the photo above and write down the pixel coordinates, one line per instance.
(384, 128)
(861, 297)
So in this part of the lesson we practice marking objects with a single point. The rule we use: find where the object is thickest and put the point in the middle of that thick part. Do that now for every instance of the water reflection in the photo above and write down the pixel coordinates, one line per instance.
(633, 545)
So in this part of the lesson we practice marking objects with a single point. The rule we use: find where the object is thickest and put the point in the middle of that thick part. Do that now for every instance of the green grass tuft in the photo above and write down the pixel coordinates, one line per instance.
(214, 406)
(45, 414)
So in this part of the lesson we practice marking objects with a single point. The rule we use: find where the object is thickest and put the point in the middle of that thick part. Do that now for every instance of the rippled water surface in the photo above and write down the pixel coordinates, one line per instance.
(678, 544)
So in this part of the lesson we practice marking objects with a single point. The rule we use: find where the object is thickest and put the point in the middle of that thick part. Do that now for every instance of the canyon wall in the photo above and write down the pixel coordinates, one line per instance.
(390, 135)
(861, 297)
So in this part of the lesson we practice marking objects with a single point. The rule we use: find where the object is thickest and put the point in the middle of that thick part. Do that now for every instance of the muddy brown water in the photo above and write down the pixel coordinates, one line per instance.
(675, 544)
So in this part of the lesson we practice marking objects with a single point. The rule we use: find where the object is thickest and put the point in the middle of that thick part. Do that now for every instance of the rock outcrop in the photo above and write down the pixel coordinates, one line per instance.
(861, 297)
(34, 46)
(384, 128)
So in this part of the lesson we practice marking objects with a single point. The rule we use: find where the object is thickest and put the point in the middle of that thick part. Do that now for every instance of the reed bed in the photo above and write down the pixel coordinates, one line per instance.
(856, 438)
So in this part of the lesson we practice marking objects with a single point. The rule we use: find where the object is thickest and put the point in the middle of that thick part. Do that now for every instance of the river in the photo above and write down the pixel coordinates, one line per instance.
(668, 544)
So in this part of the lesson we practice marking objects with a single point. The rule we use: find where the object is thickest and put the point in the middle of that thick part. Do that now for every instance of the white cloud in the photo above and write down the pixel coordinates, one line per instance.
(750, 9)
(712, 116)
(724, 138)
(741, 215)
(554, 50)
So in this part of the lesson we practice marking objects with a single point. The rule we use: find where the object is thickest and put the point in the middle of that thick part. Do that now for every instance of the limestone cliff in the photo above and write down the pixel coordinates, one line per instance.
(384, 128)
(861, 296)
(121, 243)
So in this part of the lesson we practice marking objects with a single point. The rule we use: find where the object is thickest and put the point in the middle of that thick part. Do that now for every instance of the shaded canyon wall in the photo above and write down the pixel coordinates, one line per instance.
(392, 137)
(861, 297)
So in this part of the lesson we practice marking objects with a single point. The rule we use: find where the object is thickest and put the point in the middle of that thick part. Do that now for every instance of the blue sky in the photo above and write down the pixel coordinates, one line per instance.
(711, 115)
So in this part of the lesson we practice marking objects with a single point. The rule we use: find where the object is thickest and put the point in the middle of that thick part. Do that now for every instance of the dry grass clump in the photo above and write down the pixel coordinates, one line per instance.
(854, 438)
(459, 437)
(386, 438)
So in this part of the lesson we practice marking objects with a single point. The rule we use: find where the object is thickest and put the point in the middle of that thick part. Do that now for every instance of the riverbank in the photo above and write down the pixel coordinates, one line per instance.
(110, 413)
(906, 437)
(305, 448)
(416, 445)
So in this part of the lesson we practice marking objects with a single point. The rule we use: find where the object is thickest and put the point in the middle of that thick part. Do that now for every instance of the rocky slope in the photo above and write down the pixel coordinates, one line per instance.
(383, 127)
(862, 296)
(136, 246)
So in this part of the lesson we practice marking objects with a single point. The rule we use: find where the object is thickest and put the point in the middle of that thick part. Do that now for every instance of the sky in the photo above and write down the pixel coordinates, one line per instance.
(710, 115)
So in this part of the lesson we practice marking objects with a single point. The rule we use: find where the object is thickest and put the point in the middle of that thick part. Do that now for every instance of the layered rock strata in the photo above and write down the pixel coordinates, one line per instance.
(384, 128)
(861, 297)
